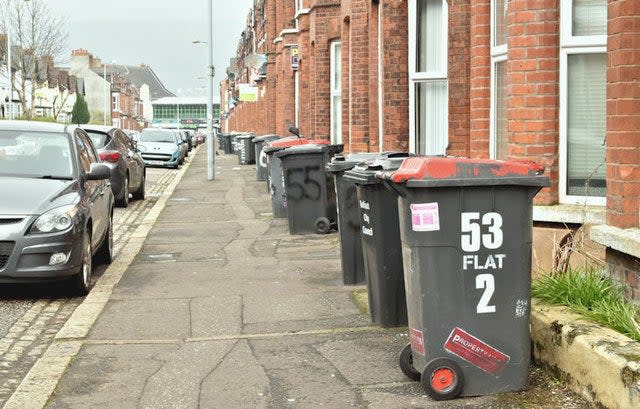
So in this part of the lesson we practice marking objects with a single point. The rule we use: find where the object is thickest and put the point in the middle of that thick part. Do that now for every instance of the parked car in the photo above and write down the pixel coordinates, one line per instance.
(161, 147)
(185, 137)
(184, 148)
(56, 210)
(199, 138)
(115, 149)
(191, 136)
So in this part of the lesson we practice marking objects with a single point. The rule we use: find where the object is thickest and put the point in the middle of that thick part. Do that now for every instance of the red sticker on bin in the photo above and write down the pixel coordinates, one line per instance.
(417, 341)
(476, 352)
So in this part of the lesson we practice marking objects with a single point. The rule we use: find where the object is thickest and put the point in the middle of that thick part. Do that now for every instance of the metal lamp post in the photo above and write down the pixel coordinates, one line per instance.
(211, 141)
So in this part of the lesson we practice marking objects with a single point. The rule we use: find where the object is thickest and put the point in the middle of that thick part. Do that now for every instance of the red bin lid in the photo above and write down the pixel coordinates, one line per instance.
(450, 171)
(293, 141)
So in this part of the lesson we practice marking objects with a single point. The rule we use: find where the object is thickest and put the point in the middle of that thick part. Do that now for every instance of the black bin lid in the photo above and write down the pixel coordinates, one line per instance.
(264, 138)
(246, 136)
(310, 148)
(424, 171)
(341, 163)
(365, 173)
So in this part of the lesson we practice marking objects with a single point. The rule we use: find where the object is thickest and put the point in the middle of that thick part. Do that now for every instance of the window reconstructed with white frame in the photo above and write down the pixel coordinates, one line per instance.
(428, 80)
(583, 81)
(116, 101)
(499, 139)
(336, 91)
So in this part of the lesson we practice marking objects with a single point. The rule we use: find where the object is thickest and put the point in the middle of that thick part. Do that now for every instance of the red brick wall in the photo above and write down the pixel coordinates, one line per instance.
(395, 75)
(358, 57)
(373, 91)
(533, 86)
(459, 77)
(623, 114)
(324, 27)
(480, 81)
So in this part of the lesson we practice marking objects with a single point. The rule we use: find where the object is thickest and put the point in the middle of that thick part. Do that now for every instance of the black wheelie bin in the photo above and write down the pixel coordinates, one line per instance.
(466, 231)
(380, 235)
(245, 149)
(275, 180)
(310, 196)
(349, 216)
(260, 156)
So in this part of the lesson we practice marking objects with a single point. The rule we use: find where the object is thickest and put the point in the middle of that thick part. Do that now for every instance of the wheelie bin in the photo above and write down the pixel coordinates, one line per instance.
(275, 180)
(225, 142)
(349, 216)
(246, 151)
(260, 156)
(466, 231)
(233, 142)
(380, 237)
(310, 196)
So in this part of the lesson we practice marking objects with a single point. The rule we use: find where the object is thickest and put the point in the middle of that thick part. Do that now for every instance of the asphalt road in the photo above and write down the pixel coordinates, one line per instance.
(31, 315)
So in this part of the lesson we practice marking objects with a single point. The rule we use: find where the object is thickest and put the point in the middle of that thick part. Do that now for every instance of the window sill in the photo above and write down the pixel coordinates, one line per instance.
(623, 240)
(570, 214)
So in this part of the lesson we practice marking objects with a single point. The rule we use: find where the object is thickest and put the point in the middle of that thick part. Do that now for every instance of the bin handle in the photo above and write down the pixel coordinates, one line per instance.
(394, 188)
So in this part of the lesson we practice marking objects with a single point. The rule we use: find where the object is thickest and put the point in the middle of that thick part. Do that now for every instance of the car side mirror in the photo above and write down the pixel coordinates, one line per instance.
(99, 171)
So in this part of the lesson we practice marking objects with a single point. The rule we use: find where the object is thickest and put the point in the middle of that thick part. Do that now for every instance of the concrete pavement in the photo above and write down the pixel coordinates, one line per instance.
(221, 308)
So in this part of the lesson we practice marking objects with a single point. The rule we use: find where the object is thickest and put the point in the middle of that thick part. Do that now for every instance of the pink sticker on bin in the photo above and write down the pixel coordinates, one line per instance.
(425, 217)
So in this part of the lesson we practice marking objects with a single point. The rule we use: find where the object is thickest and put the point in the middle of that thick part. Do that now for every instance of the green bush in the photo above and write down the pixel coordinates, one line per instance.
(80, 112)
(593, 295)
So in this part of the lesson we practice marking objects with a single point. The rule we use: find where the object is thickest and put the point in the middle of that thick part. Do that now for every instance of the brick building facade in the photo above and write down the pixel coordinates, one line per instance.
(551, 81)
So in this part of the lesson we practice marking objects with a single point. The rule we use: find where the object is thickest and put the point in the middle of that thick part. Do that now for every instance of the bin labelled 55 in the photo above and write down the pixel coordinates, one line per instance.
(466, 232)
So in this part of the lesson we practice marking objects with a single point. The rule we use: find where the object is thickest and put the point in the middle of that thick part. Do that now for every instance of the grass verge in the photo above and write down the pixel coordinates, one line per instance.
(593, 295)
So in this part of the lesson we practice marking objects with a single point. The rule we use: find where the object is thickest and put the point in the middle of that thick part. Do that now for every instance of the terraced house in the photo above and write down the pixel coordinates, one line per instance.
(552, 81)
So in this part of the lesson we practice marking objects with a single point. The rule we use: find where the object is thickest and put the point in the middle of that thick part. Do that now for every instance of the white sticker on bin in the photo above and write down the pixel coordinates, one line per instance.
(425, 217)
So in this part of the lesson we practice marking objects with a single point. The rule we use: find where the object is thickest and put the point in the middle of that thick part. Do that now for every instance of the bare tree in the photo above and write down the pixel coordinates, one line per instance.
(36, 33)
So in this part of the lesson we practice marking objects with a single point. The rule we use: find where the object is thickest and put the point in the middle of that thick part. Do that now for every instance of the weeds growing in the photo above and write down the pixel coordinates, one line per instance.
(593, 295)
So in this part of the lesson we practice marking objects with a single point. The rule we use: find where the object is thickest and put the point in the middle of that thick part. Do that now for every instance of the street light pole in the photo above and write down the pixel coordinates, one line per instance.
(104, 89)
(211, 142)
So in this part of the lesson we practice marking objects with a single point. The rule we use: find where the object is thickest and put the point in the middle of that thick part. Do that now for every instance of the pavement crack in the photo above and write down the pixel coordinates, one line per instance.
(204, 378)
(242, 307)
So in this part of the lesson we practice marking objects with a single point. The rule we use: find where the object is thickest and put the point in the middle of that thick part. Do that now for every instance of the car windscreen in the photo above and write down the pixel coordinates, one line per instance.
(157, 136)
(35, 154)
(99, 139)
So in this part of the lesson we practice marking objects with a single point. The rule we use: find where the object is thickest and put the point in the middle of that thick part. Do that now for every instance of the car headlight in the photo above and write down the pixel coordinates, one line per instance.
(55, 220)
(142, 148)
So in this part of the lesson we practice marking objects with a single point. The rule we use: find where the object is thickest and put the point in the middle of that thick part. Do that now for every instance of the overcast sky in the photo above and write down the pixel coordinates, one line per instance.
(158, 33)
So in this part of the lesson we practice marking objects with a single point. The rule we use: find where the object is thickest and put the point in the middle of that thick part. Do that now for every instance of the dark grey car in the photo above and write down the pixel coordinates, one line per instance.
(128, 173)
(56, 210)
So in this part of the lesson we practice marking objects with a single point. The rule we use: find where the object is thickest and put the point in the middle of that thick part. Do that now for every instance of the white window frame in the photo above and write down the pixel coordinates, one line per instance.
(498, 55)
(416, 77)
(116, 101)
(570, 44)
(335, 92)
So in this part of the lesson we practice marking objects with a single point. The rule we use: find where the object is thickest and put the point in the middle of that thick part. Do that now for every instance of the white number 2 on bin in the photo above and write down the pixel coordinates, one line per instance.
(479, 231)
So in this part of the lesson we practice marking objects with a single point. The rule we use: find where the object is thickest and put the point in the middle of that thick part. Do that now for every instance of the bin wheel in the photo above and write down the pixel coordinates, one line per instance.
(442, 379)
(406, 363)
(323, 225)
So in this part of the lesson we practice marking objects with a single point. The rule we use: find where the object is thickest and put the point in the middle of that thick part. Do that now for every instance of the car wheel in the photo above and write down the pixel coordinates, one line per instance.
(139, 194)
(81, 282)
(105, 253)
(123, 201)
